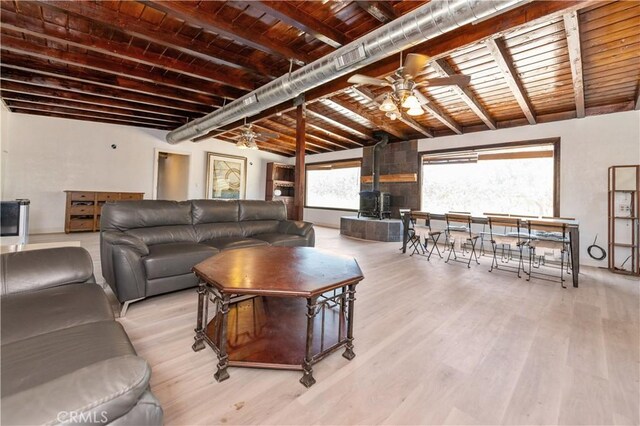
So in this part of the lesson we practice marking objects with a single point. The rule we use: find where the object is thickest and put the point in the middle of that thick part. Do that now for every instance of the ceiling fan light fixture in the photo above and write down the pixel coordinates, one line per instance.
(251, 144)
(411, 102)
(392, 115)
(415, 110)
(242, 143)
(388, 105)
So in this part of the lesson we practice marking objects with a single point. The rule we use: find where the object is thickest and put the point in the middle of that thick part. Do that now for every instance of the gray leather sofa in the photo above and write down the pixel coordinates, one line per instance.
(65, 359)
(149, 247)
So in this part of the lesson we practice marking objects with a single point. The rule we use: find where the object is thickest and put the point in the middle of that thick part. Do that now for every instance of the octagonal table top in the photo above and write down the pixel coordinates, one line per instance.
(279, 271)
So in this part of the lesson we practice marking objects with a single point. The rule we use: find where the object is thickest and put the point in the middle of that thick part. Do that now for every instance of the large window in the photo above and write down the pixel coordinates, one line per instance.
(333, 185)
(516, 179)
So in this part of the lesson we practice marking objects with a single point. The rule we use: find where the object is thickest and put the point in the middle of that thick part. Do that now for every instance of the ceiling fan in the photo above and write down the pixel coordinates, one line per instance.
(403, 86)
(248, 137)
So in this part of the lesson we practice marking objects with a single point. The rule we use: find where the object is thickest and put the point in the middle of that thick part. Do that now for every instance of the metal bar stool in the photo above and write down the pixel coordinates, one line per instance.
(429, 235)
(459, 230)
(547, 235)
(506, 238)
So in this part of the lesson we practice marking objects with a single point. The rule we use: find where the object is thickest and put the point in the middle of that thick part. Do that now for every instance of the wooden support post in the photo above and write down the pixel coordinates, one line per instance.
(301, 119)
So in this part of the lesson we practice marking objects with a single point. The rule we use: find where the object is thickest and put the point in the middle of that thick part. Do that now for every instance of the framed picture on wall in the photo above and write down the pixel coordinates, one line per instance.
(226, 177)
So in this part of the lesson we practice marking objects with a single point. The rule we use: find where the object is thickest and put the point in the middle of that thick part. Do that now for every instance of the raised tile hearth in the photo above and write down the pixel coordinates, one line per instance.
(366, 228)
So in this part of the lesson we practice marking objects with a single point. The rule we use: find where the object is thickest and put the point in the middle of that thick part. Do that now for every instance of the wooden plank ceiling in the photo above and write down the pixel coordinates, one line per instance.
(160, 64)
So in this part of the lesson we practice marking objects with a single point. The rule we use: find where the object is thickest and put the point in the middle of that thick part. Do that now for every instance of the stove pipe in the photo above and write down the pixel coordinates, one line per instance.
(376, 160)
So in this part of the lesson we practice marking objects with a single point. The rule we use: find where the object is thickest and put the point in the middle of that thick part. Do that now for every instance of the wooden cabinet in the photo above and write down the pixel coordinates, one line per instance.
(281, 185)
(83, 208)
(624, 227)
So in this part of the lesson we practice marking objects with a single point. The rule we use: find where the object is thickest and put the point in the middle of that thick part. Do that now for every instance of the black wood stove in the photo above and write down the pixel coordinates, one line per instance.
(375, 204)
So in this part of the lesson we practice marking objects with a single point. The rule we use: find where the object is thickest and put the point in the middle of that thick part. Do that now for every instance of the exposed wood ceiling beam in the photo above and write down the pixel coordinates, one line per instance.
(338, 137)
(438, 113)
(342, 123)
(527, 15)
(52, 93)
(68, 72)
(444, 69)
(289, 135)
(60, 83)
(199, 87)
(23, 107)
(149, 32)
(94, 118)
(365, 93)
(311, 135)
(65, 106)
(47, 100)
(193, 15)
(359, 110)
(572, 28)
(502, 57)
(295, 17)
(380, 10)
(127, 51)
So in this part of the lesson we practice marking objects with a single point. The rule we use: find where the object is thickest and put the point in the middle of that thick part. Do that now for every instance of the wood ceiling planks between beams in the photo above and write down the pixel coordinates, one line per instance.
(290, 15)
(126, 51)
(217, 25)
(528, 15)
(61, 71)
(359, 110)
(59, 83)
(200, 88)
(152, 33)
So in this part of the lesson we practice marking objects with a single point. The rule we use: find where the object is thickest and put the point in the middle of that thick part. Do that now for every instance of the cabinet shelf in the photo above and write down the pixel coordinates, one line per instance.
(281, 178)
(624, 198)
(83, 208)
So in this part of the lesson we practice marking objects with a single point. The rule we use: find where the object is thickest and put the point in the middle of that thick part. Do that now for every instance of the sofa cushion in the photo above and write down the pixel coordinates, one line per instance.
(39, 359)
(209, 231)
(288, 240)
(97, 393)
(210, 211)
(166, 260)
(255, 227)
(38, 269)
(164, 234)
(123, 215)
(30, 314)
(262, 210)
(234, 243)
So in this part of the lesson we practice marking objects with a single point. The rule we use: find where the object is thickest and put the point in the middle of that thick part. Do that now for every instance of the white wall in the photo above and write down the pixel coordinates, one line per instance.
(325, 217)
(43, 156)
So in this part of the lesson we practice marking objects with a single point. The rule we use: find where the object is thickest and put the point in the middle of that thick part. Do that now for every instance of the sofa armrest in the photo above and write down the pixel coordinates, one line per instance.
(121, 256)
(122, 239)
(99, 393)
(39, 269)
(295, 227)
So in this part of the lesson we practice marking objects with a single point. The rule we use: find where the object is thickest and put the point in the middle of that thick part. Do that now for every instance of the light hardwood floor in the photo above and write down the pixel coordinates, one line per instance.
(436, 343)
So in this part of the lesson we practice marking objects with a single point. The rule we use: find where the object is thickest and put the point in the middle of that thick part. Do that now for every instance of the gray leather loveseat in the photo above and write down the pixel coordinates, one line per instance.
(149, 247)
(65, 360)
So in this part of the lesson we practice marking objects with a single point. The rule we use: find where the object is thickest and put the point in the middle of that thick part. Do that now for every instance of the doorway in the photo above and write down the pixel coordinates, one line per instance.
(172, 176)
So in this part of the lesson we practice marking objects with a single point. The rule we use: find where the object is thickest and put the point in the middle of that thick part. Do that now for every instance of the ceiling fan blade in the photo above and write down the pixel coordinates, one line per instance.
(414, 64)
(267, 135)
(363, 79)
(454, 80)
(421, 98)
(380, 98)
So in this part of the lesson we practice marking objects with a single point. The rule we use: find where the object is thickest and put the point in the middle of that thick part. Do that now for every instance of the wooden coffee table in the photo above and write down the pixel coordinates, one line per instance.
(303, 309)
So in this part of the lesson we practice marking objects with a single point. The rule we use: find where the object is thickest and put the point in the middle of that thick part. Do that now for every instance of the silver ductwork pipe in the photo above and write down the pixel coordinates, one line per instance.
(424, 23)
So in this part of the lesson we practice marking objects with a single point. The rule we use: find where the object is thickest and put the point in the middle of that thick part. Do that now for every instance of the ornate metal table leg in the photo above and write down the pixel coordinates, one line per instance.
(199, 337)
(351, 297)
(223, 358)
(307, 372)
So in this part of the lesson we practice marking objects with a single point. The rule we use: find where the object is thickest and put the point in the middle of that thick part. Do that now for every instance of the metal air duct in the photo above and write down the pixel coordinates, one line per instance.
(424, 23)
